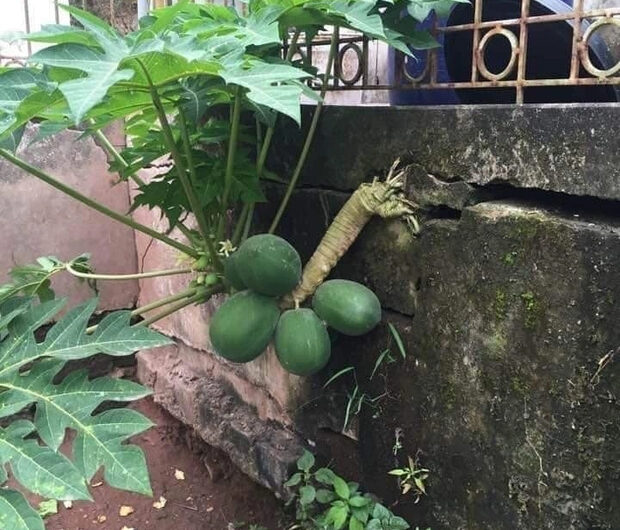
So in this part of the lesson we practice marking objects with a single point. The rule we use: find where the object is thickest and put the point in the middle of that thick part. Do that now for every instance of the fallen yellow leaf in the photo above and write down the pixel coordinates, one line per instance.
(179, 475)
(125, 511)
(158, 505)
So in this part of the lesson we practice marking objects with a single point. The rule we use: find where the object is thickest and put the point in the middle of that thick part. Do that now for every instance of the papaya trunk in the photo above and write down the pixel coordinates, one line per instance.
(383, 198)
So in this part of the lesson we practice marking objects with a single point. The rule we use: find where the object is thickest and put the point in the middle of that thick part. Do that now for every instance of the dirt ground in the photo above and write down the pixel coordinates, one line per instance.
(214, 495)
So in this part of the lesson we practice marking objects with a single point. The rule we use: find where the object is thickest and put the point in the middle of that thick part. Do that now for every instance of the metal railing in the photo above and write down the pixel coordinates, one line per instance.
(354, 71)
(580, 66)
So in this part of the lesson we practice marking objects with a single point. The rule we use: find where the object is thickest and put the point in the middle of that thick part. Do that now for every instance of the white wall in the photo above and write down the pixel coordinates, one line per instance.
(13, 19)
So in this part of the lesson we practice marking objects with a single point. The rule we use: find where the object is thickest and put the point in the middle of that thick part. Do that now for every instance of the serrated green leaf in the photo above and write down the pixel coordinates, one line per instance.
(306, 461)
(101, 71)
(31, 280)
(337, 516)
(68, 339)
(307, 494)
(380, 512)
(354, 524)
(325, 496)
(359, 17)
(16, 513)
(293, 481)
(421, 9)
(67, 404)
(38, 468)
(100, 444)
(359, 501)
(325, 476)
(259, 79)
(71, 402)
(11, 309)
(19, 347)
(341, 488)
(59, 34)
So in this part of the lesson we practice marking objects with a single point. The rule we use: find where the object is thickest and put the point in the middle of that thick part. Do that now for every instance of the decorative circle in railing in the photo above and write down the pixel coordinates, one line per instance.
(415, 78)
(585, 48)
(340, 66)
(514, 50)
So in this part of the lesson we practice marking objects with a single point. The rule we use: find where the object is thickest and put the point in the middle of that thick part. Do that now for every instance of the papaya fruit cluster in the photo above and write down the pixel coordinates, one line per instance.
(265, 268)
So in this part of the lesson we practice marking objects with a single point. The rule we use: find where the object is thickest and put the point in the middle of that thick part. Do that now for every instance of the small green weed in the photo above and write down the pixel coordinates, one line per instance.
(325, 501)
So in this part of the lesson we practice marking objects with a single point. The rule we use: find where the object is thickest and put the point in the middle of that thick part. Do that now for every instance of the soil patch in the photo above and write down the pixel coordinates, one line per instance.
(214, 495)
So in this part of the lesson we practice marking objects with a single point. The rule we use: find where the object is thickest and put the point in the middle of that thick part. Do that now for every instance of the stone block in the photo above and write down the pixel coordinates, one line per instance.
(227, 416)
(508, 393)
(549, 147)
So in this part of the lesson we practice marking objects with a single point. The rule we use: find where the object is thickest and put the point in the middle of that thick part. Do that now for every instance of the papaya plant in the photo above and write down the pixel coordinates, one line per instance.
(201, 87)
(32, 375)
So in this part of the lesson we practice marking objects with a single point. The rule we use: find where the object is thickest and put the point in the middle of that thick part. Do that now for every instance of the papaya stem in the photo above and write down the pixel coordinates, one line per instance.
(106, 145)
(155, 305)
(230, 160)
(200, 296)
(137, 276)
(74, 194)
(310, 135)
(264, 149)
(194, 177)
(164, 301)
(178, 163)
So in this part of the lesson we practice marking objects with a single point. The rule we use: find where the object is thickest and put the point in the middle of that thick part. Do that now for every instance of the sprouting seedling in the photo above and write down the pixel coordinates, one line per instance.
(411, 478)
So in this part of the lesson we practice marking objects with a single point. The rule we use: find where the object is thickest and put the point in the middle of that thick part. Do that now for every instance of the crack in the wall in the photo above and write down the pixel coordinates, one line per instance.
(605, 210)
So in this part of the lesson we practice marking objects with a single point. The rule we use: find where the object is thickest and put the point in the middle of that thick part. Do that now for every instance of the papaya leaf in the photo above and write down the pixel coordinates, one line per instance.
(421, 9)
(32, 280)
(16, 513)
(100, 444)
(358, 16)
(11, 309)
(37, 467)
(59, 34)
(66, 404)
(72, 401)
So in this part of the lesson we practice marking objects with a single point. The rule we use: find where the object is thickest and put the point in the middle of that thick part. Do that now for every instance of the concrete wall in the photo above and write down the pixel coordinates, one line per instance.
(507, 304)
(40, 221)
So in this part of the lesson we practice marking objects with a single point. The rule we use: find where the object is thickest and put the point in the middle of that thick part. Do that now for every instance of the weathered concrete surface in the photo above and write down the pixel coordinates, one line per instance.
(516, 308)
(507, 309)
(562, 148)
(200, 397)
(40, 221)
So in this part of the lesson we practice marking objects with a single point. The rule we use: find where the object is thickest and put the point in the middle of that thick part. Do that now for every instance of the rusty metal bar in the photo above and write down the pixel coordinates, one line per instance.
(476, 28)
(525, 11)
(537, 19)
(585, 81)
(574, 63)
